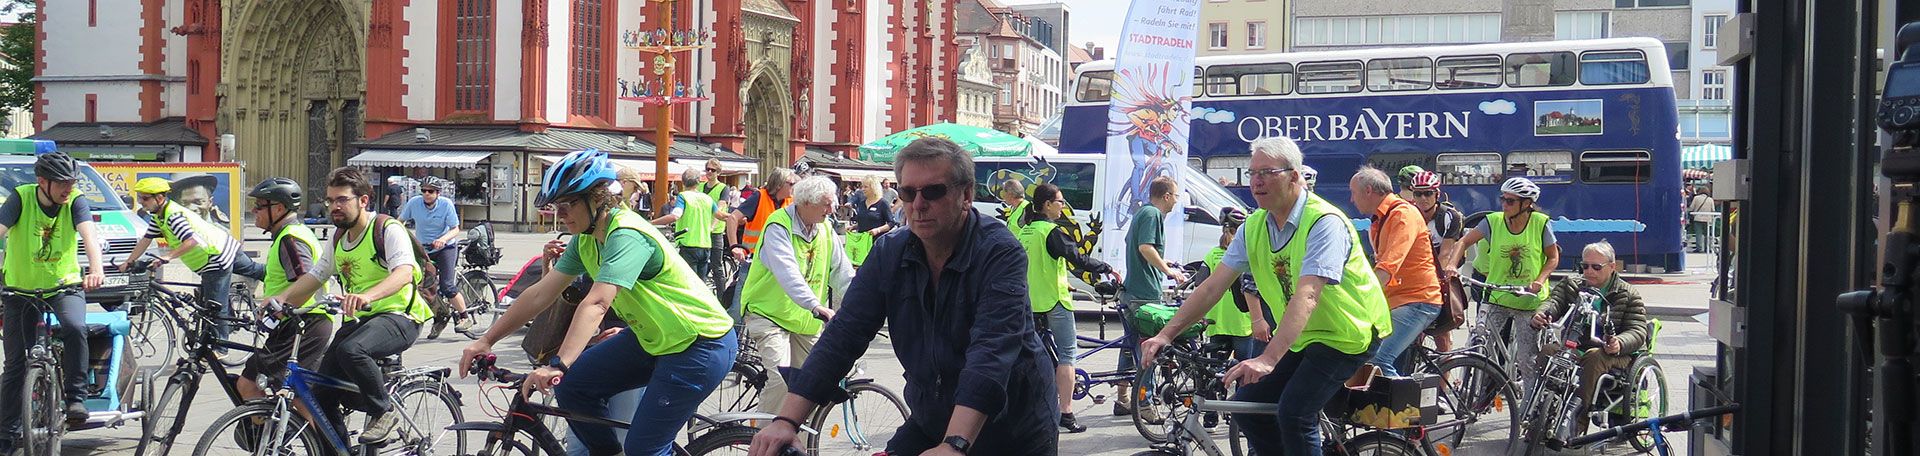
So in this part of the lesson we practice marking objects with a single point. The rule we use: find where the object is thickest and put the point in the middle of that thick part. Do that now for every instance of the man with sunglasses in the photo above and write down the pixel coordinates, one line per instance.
(436, 223)
(1446, 225)
(1521, 251)
(952, 291)
(276, 206)
(722, 196)
(1620, 303)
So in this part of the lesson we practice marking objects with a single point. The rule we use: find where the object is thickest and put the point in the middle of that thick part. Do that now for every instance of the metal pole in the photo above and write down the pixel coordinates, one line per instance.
(663, 125)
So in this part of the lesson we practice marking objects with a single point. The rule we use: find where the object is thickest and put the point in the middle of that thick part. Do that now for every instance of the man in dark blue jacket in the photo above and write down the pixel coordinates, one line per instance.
(952, 290)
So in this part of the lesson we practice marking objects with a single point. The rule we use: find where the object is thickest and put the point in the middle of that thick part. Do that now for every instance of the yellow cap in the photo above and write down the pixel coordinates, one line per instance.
(152, 186)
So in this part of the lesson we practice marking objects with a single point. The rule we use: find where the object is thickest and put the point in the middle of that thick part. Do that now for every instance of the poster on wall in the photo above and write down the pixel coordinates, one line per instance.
(209, 190)
(1148, 119)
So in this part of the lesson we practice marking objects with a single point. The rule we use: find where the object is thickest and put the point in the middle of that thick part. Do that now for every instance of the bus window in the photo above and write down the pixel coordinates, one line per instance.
(1469, 169)
(1074, 179)
(1393, 75)
(1613, 67)
(1392, 162)
(1199, 88)
(1545, 167)
(1246, 80)
(1477, 72)
(1616, 167)
(1094, 86)
(1229, 170)
(1329, 77)
(1541, 69)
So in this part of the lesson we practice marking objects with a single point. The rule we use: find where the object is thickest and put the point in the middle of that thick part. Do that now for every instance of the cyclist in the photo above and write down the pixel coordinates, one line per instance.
(1403, 263)
(1308, 174)
(1146, 270)
(1244, 328)
(208, 249)
(679, 343)
(382, 305)
(693, 216)
(1014, 195)
(276, 205)
(723, 198)
(799, 261)
(1049, 250)
(1446, 225)
(1521, 252)
(1307, 260)
(872, 217)
(1619, 302)
(436, 223)
(41, 243)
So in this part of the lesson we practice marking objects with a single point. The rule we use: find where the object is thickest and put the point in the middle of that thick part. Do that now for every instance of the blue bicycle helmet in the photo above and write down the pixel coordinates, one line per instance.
(574, 174)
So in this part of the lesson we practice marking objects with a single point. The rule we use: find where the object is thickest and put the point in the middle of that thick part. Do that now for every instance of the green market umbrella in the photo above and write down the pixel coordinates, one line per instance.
(981, 142)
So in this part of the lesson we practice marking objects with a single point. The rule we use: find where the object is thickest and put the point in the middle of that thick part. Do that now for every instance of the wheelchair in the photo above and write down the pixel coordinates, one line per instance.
(1639, 392)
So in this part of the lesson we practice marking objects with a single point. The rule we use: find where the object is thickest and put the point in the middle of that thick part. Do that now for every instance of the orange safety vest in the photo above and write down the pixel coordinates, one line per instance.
(764, 211)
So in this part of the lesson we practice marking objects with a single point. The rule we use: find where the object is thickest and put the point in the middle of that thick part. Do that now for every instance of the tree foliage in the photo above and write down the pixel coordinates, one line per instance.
(16, 50)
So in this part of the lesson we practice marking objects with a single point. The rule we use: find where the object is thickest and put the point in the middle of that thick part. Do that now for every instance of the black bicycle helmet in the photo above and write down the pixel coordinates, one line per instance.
(278, 189)
(56, 166)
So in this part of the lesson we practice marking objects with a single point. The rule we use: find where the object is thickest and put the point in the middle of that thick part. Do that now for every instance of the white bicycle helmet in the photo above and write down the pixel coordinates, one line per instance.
(1308, 174)
(1521, 186)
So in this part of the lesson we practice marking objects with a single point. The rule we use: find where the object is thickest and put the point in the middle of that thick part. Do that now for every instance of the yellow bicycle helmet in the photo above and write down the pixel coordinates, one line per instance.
(152, 186)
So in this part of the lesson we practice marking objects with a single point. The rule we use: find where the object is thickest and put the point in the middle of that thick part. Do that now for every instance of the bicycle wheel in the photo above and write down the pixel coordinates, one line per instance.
(729, 440)
(739, 391)
(1379, 443)
(45, 420)
(1236, 439)
(155, 334)
(244, 309)
(479, 291)
(164, 419)
(253, 429)
(427, 407)
(1476, 394)
(527, 442)
(1161, 400)
(860, 426)
(1648, 399)
(1544, 415)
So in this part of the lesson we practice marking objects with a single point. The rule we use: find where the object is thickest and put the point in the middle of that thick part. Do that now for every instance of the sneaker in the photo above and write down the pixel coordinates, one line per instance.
(464, 325)
(1121, 408)
(77, 411)
(379, 429)
(1151, 416)
(439, 324)
(1071, 425)
(1210, 419)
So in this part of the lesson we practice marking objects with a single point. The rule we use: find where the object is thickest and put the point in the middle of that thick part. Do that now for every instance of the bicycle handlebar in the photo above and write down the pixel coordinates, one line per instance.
(1669, 423)
(1520, 291)
(40, 293)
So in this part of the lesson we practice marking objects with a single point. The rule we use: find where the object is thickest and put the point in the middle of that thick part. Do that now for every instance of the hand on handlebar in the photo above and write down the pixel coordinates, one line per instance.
(1150, 348)
(774, 439)
(1539, 320)
(1613, 345)
(93, 280)
(477, 349)
(1179, 278)
(822, 312)
(439, 244)
(1535, 287)
(542, 379)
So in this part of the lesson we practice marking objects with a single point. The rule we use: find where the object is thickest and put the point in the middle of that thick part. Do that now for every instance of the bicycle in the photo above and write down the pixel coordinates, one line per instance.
(522, 429)
(865, 424)
(1188, 436)
(1166, 404)
(1497, 346)
(42, 404)
(1473, 388)
(738, 436)
(163, 422)
(1656, 427)
(1642, 395)
(270, 425)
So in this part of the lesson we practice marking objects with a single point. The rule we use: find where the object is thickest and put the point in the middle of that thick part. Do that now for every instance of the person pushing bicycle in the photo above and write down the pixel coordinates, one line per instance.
(42, 239)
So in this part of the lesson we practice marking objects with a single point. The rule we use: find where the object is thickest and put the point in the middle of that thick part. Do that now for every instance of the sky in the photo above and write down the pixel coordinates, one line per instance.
(1091, 20)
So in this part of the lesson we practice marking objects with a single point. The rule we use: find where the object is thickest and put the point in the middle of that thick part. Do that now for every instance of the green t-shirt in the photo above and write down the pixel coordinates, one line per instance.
(1144, 280)
(628, 256)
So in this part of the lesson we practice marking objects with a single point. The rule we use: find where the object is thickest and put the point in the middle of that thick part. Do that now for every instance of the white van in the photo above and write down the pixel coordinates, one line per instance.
(1086, 190)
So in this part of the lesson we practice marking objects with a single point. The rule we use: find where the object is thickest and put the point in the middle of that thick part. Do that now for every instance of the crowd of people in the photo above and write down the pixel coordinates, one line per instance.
(977, 307)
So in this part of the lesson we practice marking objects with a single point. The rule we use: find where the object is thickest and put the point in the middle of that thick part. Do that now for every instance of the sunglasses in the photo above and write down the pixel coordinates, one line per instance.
(1425, 193)
(933, 192)
(713, 170)
(1592, 266)
(429, 190)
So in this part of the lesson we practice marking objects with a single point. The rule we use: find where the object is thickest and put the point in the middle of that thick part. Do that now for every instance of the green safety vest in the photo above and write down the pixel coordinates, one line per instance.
(717, 191)
(764, 295)
(696, 220)
(1227, 318)
(196, 257)
(668, 311)
(42, 251)
(1046, 274)
(277, 280)
(1519, 258)
(1350, 315)
(1014, 216)
(360, 269)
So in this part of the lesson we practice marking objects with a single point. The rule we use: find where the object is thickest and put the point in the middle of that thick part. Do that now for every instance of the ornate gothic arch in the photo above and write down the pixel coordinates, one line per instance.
(292, 83)
(768, 109)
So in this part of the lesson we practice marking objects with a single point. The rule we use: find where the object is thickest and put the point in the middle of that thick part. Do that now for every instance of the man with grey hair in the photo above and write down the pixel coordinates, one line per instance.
(1600, 273)
(1014, 195)
(1402, 261)
(798, 260)
(694, 217)
(952, 290)
(1306, 259)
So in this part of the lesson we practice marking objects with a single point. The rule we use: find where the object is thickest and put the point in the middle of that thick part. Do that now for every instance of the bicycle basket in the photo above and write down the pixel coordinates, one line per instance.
(1149, 319)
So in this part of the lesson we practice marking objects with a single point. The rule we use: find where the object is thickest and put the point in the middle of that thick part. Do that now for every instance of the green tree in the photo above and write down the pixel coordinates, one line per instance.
(16, 50)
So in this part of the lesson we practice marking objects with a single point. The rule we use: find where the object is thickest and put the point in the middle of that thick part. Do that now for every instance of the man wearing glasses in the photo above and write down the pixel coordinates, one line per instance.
(953, 293)
(722, 195)
(436, 223)
(1521, 252)
(1446, 226)
(1622, 306)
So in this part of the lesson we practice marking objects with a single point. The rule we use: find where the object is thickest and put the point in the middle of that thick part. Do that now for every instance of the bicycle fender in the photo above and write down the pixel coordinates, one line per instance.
(1463, 353)
(489, 426)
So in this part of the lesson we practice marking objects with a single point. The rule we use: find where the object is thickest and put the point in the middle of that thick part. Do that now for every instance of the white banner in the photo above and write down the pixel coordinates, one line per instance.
(1148, 119)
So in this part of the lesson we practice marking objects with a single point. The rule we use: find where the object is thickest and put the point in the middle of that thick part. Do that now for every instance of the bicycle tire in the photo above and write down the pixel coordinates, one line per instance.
(866, 431)
(163, 414)
(243, 308)
(1482, 391)
(44, 421)
(1156, 453)
(154, 320)
(1156, 399)
(1642, 368)
(533, 440)
(426, 418)
(737, 392)
(1236, 440)
(305, 437)
(732, 437)
(1543, 414)
(1379, 443)
(479, 290)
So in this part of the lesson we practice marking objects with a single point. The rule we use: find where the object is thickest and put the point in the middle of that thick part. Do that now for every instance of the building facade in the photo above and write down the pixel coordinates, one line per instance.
(977, 92)
(1030, 76)
(1706, 111)
(1230, 27)
(302, 85)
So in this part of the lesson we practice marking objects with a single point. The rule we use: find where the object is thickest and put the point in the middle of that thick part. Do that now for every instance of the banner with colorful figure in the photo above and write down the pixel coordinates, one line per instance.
(211, 190)
(1148, 119)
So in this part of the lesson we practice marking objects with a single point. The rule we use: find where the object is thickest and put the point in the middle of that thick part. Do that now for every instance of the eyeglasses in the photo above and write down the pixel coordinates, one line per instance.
(1511, 200)
(429, 190)
(262, 207)
(1268, 173)
(933, 192)
(713, 170)
(1592, 266)
(1425, 193)
(341, 200)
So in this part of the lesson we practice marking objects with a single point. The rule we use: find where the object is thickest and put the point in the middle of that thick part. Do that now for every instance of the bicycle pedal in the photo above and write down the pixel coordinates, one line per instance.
(1098, 400)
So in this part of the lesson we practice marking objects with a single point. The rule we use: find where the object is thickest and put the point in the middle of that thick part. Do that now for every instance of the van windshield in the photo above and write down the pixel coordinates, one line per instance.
(1205, 192)
(93, 189)
(1074, 179)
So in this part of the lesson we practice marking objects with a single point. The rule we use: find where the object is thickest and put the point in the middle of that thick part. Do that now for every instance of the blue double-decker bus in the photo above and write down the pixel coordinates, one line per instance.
(1592, 121)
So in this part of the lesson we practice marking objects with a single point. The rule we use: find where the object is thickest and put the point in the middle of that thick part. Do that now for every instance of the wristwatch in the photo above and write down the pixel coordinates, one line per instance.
(958, 443)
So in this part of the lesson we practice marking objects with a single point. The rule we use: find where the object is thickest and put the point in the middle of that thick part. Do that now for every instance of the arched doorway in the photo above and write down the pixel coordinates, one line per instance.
(767, 121)
(292, 95)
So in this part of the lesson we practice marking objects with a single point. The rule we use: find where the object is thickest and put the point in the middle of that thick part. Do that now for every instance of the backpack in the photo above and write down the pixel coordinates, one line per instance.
(429, 282)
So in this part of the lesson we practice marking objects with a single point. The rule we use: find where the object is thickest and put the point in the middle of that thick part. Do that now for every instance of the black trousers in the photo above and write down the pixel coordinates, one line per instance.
(356, 348)
(22, 320)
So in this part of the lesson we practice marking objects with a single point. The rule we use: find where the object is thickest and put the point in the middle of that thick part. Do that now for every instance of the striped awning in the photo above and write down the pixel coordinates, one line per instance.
(1704, 156)
(421, 158)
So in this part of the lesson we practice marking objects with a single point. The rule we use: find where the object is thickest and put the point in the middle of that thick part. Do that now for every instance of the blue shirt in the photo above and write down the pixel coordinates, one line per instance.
(429, 223)
(1327, 244)
(968, 341)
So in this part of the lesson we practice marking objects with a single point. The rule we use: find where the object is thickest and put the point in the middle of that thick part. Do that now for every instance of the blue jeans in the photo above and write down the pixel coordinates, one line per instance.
(1300, 386)
(1141, 149)
(1409, 321)
(672, 388)
(629, 400)
(697, 258)
(1060, 334)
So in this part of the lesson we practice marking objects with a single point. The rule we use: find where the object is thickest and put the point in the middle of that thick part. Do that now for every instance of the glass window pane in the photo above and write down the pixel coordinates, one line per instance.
(1468, 72)
(1613, 67)
(1468, 169)
(1616, 167)
(1546, 167)
(1677, 56)
(1392, 162)
(1330, 77)
(1093, 86)
(1388, 75)
(1541, 69)
(1261, 79)
(1230, 170)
